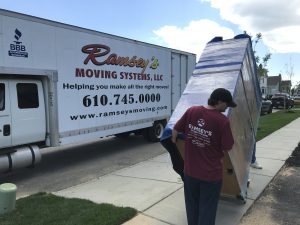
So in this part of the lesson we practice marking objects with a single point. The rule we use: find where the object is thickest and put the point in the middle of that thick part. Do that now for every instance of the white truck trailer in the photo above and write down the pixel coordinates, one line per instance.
(61, 84)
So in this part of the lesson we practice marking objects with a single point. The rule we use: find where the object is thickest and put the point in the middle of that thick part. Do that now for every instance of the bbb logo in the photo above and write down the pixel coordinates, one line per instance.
(16, 48)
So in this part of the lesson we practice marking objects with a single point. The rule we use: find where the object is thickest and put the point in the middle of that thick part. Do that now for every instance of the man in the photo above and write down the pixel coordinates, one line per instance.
(207, 136)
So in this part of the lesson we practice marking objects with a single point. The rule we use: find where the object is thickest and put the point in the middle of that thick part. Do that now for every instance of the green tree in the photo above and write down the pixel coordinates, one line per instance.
(296, 88)
(261, 62)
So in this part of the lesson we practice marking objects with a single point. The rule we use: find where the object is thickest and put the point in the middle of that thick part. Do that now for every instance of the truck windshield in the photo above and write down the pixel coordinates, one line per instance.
(2, 96)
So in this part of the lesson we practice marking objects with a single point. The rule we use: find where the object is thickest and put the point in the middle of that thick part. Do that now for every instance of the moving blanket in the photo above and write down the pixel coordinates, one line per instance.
(229, 64)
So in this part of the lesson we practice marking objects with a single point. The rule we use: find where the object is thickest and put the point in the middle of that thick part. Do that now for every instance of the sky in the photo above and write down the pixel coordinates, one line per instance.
(185, 24)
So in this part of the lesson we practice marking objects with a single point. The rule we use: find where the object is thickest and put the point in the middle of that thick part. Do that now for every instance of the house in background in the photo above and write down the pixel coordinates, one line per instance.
(270, 85)
(274, 84)
(286, 86)
(263, 81)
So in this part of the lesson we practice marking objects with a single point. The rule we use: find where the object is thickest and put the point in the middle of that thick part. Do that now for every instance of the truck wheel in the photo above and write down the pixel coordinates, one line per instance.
(123, 135)
(154, 133)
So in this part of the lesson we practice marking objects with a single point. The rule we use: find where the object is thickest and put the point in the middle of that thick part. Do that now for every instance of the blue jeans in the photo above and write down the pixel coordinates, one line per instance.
(201, 200)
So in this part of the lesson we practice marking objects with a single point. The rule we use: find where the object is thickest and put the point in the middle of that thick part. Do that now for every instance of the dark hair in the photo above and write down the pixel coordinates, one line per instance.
(221, 94)
(212, 102)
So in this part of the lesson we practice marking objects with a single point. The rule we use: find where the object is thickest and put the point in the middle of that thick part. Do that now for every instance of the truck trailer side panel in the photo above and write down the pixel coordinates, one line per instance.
(103, 84)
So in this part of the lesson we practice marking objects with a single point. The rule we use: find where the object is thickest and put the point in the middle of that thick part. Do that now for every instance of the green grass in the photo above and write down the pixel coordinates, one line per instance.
(274, 121)
(48, 209)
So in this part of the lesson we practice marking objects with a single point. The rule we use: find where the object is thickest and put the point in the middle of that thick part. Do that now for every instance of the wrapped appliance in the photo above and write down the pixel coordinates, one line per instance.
(228, 64)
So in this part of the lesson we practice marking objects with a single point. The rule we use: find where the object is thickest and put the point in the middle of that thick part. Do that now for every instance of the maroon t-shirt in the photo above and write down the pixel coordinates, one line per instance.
(207, 135)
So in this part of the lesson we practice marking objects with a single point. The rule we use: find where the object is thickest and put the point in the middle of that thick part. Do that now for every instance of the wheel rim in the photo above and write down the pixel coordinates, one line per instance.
(159, 130)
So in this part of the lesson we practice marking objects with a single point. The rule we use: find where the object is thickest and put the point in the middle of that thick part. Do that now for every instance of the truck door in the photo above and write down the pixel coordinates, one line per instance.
(179, 77)
(175, 94)
(27, 111)
(5, 115)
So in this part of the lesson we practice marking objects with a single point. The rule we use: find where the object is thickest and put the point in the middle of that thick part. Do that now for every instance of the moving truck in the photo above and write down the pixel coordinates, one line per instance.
(61, 84)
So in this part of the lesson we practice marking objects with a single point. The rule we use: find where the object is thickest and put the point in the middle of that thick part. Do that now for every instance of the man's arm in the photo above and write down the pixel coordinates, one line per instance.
(174, 135)
(227, 138)
(179, 126)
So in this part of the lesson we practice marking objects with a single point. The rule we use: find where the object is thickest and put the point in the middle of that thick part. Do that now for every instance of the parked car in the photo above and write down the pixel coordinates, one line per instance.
(282, 100)
(296, 98)
(266, 107)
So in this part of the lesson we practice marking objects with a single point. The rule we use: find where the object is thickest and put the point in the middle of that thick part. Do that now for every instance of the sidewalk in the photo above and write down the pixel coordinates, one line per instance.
(155, 190)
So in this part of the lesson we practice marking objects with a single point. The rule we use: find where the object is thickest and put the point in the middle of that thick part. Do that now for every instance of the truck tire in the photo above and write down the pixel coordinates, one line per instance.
(154, 133)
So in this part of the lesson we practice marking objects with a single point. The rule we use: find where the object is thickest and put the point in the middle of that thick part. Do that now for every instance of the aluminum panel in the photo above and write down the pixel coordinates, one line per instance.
(199, 89)
(229, 64)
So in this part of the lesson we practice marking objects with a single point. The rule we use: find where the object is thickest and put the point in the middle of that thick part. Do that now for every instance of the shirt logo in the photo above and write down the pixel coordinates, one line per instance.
(201, 122)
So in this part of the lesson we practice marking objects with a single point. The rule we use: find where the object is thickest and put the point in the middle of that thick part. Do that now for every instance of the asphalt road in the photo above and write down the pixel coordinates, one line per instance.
(65, 167)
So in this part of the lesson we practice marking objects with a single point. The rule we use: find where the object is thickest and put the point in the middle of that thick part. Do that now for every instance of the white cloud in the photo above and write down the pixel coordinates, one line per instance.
(277, 20)
(194, 36)
(283, 40)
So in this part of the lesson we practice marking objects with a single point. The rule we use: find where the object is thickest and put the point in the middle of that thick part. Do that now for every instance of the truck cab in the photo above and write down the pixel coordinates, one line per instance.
(22, 112)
